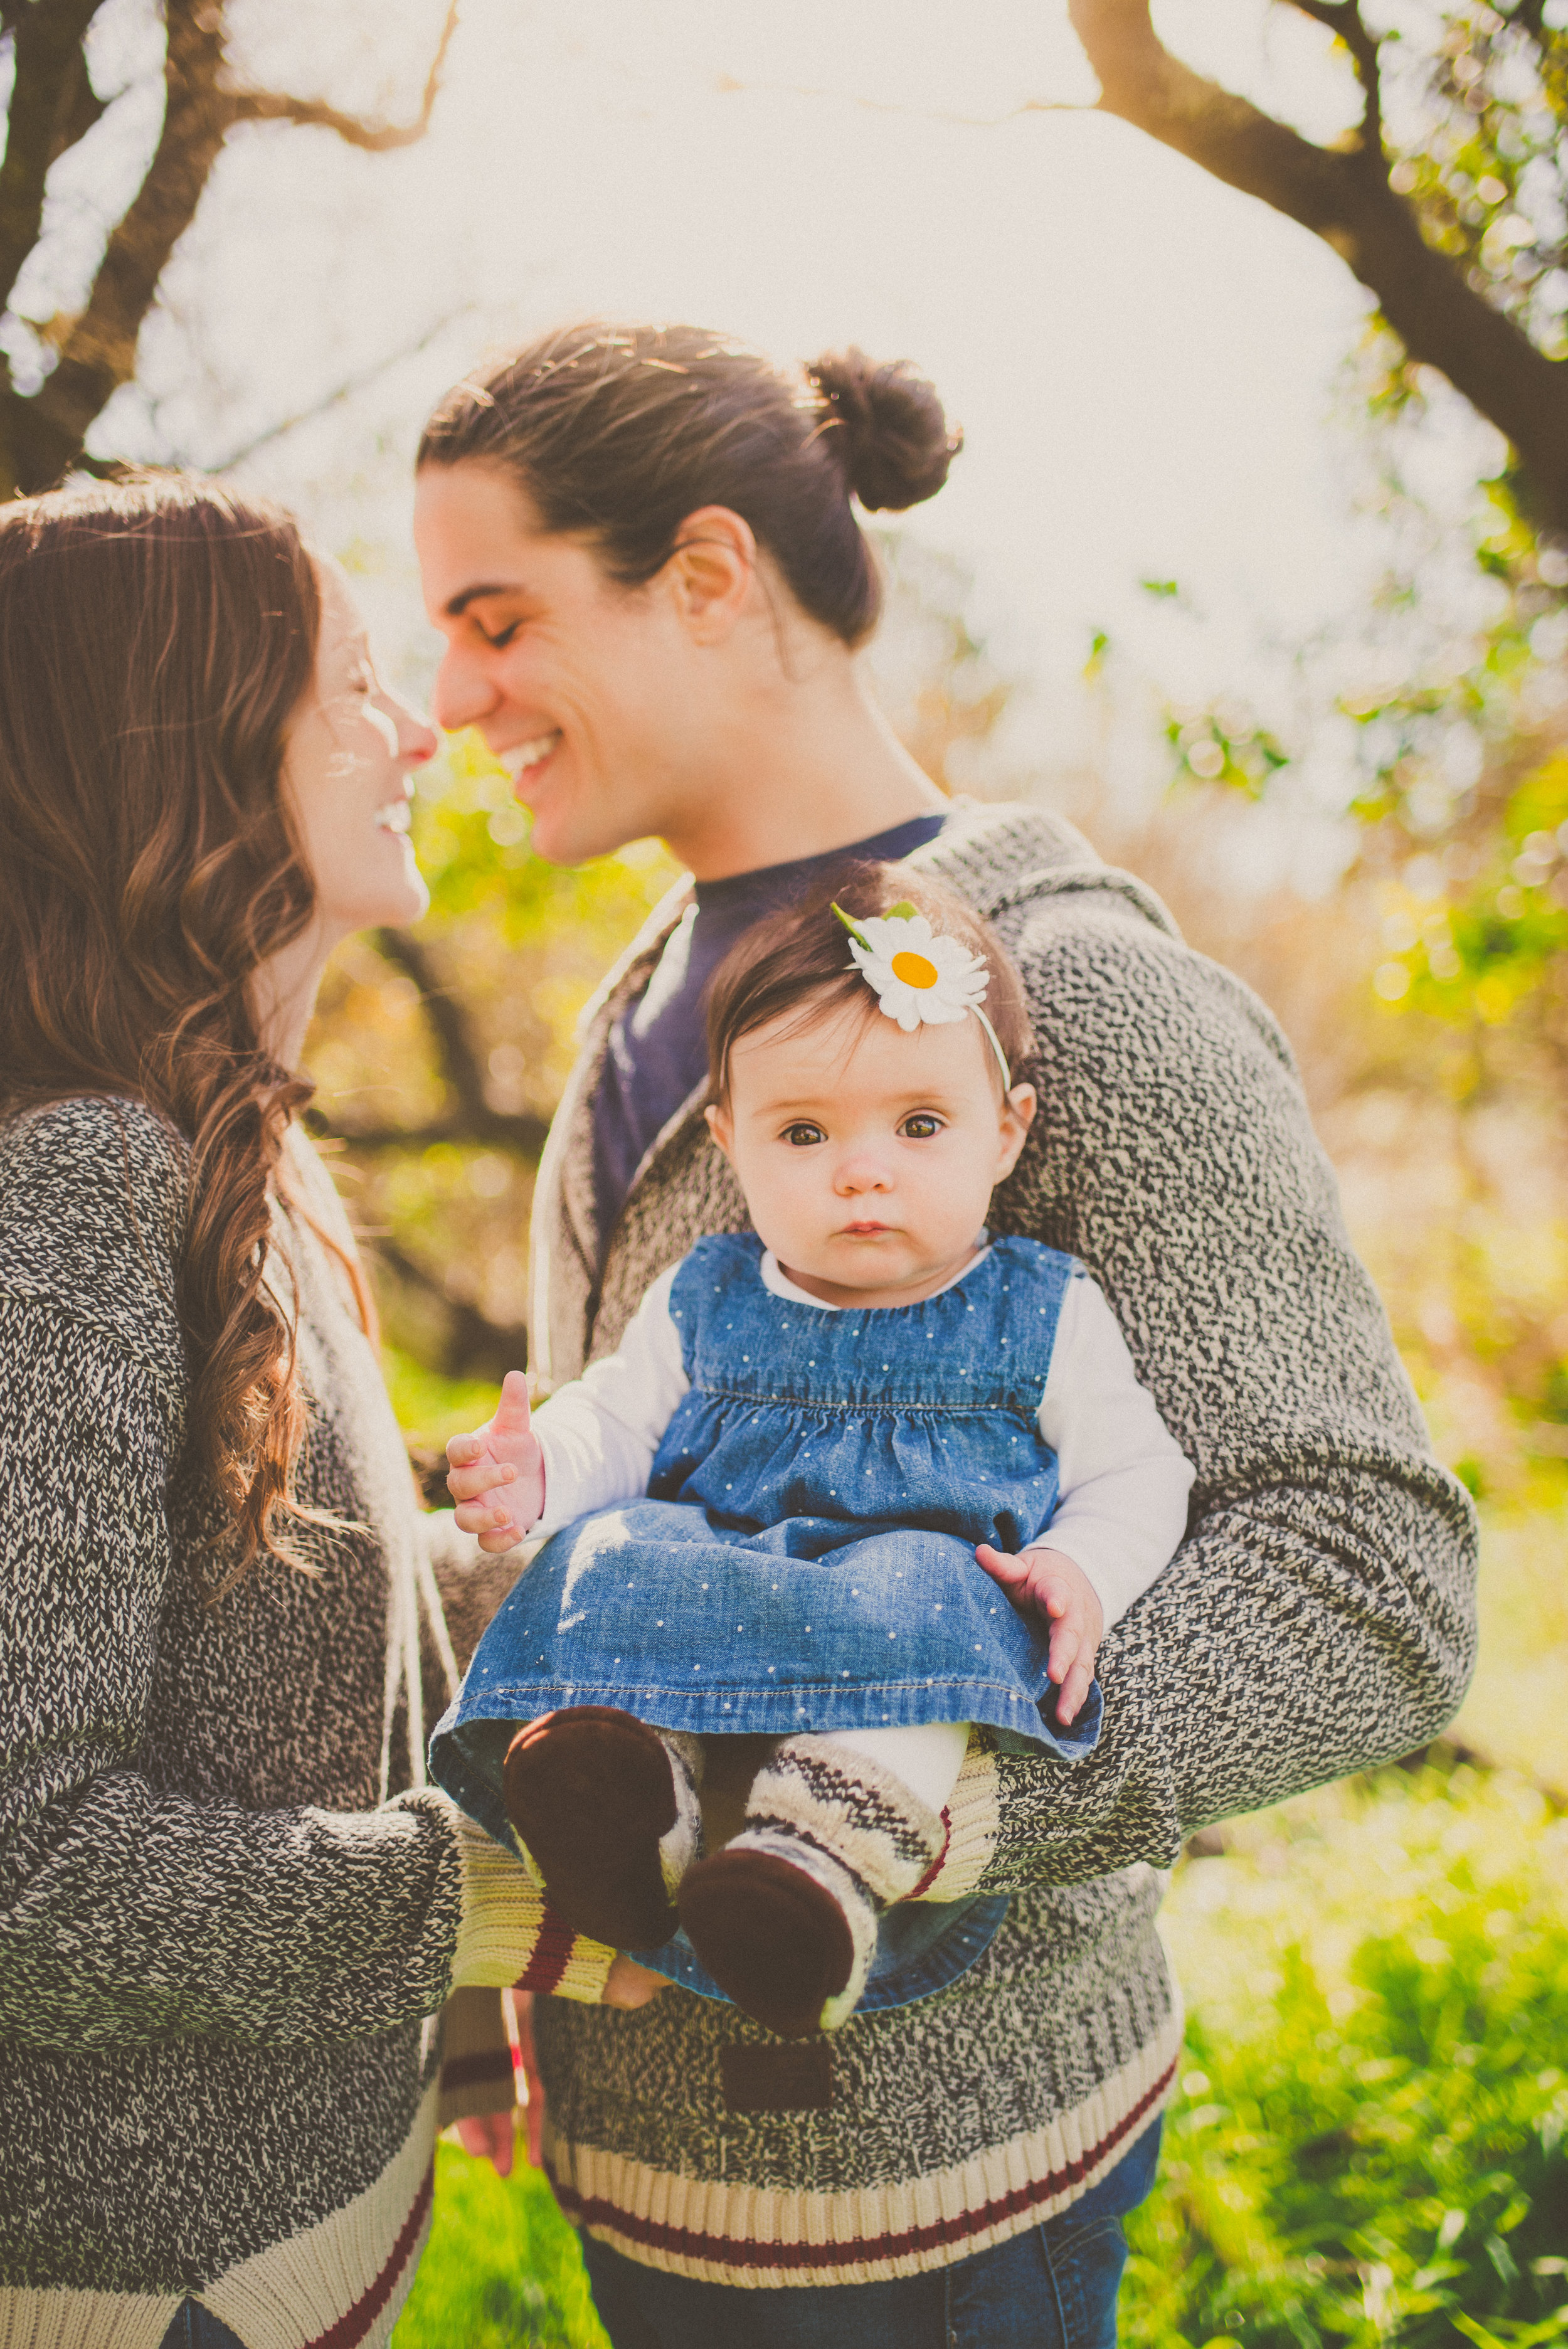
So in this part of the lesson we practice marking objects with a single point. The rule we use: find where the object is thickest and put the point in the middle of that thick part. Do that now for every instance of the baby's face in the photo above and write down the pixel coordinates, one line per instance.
(868, 1156)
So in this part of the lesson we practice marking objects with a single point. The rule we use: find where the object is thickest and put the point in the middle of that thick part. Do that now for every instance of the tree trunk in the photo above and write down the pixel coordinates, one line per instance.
(100, 355)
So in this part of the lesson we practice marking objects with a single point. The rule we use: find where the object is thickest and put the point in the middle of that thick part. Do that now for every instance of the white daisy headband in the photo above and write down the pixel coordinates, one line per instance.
(922, 978)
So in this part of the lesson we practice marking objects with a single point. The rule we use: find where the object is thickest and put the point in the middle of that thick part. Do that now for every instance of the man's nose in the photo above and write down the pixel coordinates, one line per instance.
(462, 694)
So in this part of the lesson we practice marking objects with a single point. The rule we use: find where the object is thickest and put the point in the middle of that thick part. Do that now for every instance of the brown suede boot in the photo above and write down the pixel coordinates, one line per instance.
(784, 1930)
(607, 1810)
(785, 1918)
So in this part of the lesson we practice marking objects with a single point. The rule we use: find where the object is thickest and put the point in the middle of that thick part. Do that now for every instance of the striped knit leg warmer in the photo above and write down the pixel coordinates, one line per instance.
(604, 1810)
(785, 1918)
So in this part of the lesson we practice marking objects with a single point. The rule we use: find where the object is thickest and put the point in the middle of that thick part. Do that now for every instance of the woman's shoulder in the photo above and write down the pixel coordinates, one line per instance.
(92, 1207)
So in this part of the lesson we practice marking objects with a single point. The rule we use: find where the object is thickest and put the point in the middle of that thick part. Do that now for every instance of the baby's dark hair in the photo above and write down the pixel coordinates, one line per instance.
(798, 958)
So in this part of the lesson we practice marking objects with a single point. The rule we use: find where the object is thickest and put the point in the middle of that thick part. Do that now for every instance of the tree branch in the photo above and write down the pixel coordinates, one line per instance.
(508, 1130)
(459, 1061)
(1343, 18)
(310, 113)
(730, 88)
(42, 436)
(48, 61)
(99, 353)
(476, 1346)
(1344, 197)
(344, 391)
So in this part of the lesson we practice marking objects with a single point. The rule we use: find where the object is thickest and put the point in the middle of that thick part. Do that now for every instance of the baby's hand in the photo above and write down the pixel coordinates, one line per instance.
(1044, 1582)
(505, 1460)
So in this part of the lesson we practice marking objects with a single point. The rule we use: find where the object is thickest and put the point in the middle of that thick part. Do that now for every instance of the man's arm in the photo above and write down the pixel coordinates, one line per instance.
(1321, 1616)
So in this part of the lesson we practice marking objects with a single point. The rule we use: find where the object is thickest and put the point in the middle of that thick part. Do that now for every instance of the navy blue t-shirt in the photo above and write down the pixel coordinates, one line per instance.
(659, 1046)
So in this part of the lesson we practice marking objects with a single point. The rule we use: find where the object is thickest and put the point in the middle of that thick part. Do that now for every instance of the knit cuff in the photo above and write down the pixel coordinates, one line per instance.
(509, 1934)
(971, 1814)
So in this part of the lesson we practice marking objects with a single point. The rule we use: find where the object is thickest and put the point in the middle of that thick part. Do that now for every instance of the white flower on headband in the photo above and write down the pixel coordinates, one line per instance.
(921, 978)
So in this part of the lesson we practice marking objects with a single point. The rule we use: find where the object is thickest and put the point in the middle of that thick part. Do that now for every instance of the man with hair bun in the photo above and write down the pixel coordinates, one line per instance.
(642, 547)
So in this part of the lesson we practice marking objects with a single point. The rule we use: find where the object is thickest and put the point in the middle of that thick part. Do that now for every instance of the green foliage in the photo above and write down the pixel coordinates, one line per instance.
(1221, 742)
(430, 1408)
(1369, 2145)
(1462, 802)
(437, 1147)
(1495, 941)
(1486, 170)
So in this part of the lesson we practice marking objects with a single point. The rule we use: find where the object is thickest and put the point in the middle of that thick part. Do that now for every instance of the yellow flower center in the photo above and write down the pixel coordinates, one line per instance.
(914, 969)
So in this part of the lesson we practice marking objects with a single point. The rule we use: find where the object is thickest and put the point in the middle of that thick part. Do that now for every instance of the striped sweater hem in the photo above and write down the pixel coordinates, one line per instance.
(746, 2235)
(339, 2284)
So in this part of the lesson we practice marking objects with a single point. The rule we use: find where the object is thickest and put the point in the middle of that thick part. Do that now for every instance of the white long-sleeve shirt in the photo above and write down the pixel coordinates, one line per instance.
(1122, 1478)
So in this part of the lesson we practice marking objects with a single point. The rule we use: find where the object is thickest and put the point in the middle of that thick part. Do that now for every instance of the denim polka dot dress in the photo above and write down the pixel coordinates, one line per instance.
(805, 1556)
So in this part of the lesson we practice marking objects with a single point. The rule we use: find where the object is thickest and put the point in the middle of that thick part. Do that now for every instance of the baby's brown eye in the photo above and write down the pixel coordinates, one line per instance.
(802, 1136)
(921, 1128)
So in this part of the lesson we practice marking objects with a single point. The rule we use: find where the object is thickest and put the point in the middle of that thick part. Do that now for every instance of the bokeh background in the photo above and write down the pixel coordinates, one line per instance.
(1228, 573)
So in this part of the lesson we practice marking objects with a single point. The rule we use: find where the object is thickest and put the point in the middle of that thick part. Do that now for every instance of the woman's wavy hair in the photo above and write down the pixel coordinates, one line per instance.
(157, 634)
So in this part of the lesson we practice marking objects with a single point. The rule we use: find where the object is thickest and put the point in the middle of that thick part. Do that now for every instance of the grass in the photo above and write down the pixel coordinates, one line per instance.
(1516, 1712)
(502, 2267)
(1368, 2149)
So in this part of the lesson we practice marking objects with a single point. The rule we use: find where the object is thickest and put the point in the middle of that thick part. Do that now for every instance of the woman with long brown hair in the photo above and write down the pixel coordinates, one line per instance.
(231, 1910)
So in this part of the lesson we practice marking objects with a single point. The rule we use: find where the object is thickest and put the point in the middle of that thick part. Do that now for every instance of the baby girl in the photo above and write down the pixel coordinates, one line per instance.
(798, 1497)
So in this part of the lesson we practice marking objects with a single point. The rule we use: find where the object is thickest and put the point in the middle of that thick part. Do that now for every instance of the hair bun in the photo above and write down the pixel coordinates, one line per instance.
(895, 443)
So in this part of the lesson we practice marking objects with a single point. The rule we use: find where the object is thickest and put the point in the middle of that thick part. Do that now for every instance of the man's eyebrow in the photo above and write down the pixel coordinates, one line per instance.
(456, 605)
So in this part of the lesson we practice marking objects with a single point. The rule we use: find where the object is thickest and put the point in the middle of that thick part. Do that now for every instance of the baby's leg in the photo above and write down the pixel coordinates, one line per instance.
(604, 1808)
(927, 1758)
(838, 1830)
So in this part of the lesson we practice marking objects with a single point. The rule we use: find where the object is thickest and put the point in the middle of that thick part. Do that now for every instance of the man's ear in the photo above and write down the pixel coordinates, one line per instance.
(712, 572)
(720, 1125)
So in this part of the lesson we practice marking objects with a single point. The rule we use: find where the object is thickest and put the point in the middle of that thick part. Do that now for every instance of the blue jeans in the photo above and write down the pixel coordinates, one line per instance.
(195, 2328)
(1052, 2288)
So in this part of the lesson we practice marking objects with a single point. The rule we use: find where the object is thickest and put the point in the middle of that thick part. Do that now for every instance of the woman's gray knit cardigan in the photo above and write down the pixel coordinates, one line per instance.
(1318, 1619)
(219, 1959)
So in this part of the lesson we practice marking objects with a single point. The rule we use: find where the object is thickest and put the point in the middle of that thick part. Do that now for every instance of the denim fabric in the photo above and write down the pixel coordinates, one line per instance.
(806, 1557)
(805, 1560)
(195, 2328)
(1052, 2288)
(815, 1425)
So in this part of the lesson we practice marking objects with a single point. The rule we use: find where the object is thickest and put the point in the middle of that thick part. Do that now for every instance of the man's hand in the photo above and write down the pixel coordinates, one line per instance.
(496, 1476)
(627, 1985)
(1045, 1582)
(490, 2137)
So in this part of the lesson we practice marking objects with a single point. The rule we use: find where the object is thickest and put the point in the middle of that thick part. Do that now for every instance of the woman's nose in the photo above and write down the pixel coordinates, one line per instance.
(462, 694)
(417, 738)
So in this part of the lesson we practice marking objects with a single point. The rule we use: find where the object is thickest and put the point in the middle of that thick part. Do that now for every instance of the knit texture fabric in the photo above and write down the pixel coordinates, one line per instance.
(222, 1955)
(1319, 1618)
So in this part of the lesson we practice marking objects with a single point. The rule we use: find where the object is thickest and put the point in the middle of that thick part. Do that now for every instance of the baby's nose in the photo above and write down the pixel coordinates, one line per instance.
(863, 1173)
